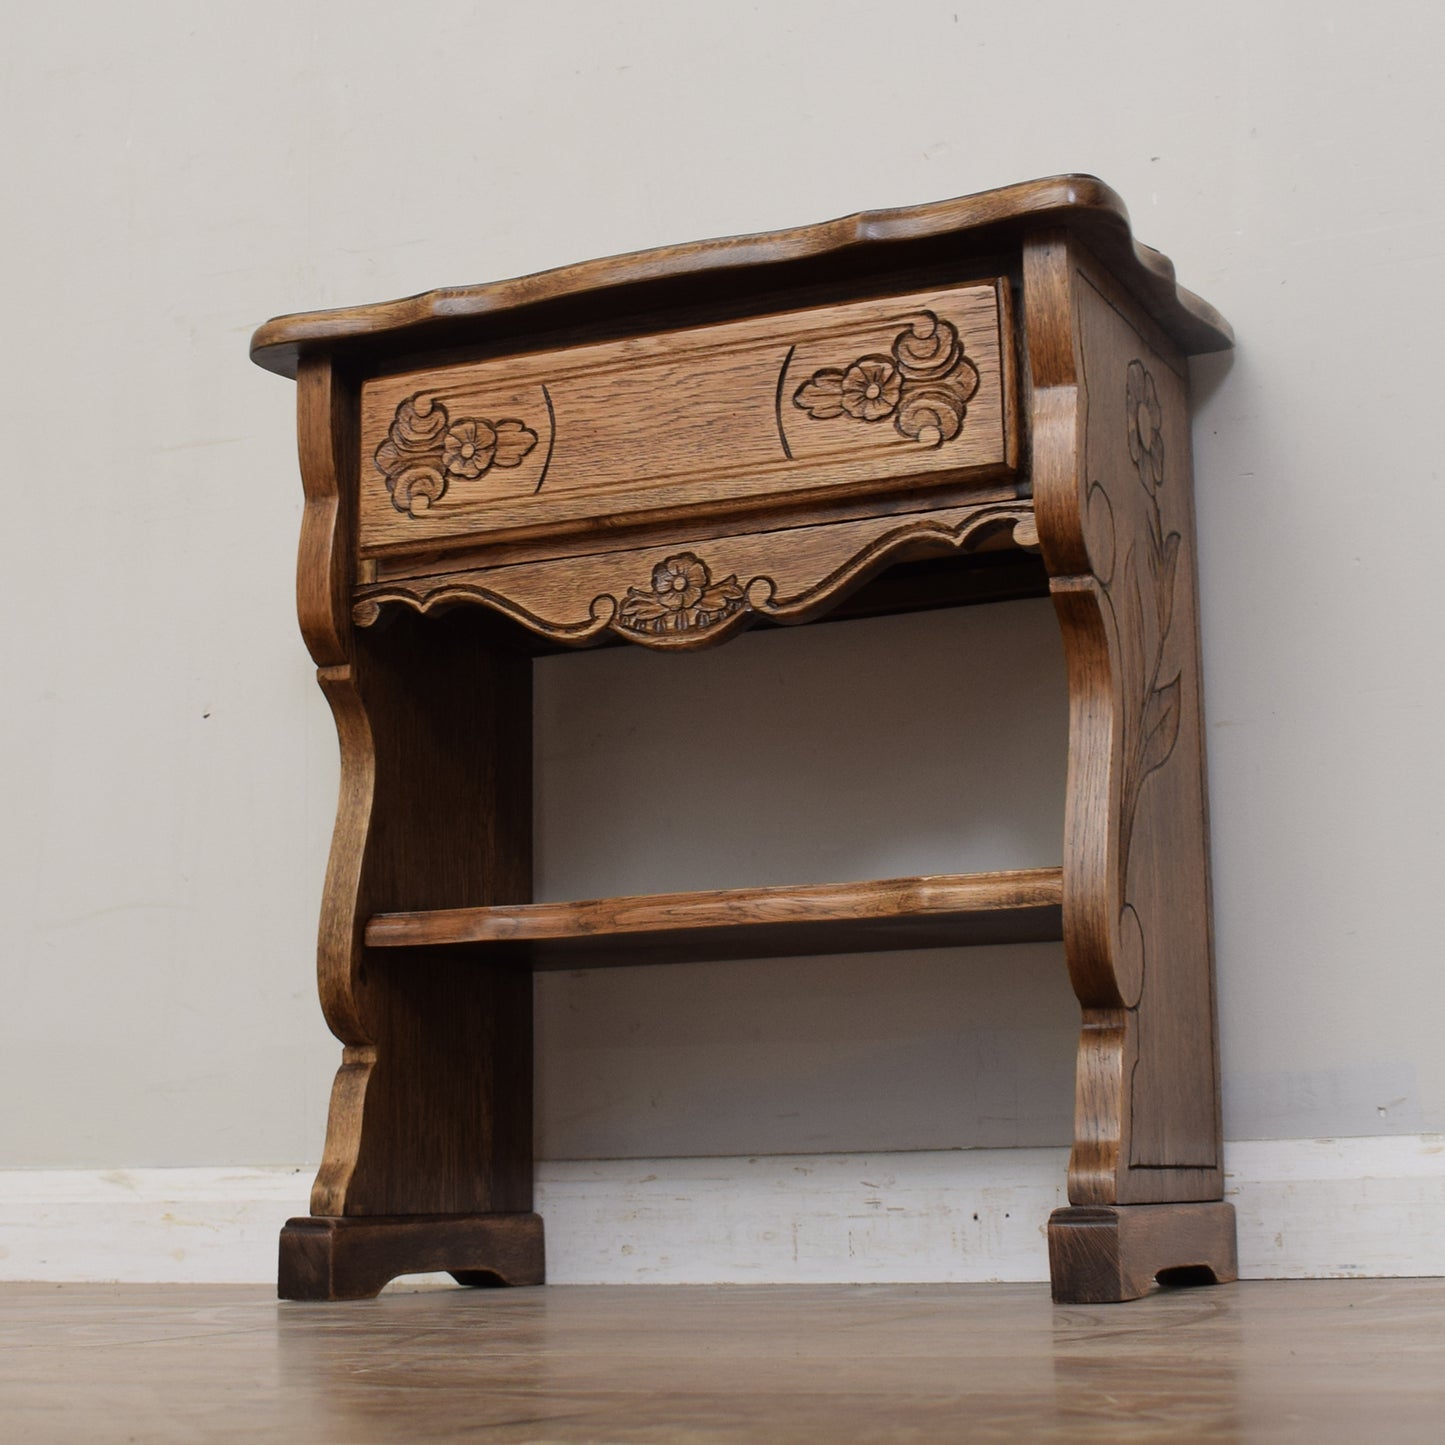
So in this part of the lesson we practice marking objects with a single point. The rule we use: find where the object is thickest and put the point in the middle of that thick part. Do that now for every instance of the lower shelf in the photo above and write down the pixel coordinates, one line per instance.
(1021, 906)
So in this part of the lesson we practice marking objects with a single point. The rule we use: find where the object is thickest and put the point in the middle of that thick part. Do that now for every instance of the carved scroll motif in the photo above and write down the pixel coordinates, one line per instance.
(923, 386)
(425, 451)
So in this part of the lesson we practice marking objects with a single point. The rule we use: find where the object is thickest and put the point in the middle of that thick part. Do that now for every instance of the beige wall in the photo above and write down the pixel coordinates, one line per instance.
(175, 173)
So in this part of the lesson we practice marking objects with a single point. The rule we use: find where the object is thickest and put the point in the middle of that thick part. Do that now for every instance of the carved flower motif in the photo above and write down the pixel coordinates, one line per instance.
(925, 386)
(424, 450)
(469, 448)
(871, 388)
(1146, 421)
(679, 581)
(683, 598)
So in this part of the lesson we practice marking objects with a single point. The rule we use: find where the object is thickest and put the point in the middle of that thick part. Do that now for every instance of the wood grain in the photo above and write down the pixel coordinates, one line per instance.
(1329, 1362)
(702, 419)
(327, 424)
(934, 912)
(844, 252)
(1101, 1254)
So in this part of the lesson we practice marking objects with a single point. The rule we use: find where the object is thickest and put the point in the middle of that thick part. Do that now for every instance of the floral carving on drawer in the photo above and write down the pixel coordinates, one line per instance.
(426, 451)
(886, 394)
(923, 386)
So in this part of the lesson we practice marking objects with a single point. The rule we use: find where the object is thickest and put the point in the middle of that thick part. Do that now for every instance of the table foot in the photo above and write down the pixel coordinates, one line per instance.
(354, 1257)
(1102, 1254)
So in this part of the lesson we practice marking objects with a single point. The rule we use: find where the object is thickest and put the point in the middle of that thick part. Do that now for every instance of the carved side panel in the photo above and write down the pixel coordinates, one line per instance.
(1140, 525)
(1113, 487)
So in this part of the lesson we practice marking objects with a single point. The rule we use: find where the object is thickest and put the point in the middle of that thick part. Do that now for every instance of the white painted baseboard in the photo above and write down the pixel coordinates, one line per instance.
(1307, 1208)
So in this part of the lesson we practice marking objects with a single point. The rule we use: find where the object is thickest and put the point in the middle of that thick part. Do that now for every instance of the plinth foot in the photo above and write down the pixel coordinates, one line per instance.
(356, 1256)
(1102, 1254)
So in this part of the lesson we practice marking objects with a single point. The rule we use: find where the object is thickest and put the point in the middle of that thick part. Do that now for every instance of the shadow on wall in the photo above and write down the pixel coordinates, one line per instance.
(927, 743)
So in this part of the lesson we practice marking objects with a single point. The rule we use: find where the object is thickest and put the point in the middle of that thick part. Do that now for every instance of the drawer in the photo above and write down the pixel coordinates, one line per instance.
(906, 392)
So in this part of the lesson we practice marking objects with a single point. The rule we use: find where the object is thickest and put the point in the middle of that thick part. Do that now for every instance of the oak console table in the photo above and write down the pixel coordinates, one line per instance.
(984, 398)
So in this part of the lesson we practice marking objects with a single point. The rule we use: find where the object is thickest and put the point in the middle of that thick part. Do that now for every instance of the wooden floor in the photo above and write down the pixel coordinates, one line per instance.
(1316, 1361)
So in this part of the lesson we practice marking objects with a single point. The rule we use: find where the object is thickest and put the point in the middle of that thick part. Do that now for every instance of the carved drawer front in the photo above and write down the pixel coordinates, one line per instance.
(896, 392)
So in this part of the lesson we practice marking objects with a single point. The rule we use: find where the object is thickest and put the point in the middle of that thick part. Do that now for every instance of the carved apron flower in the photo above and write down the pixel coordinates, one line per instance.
(468, 448)
(683, 598)
(871, 388)
(1146, 421)
(679, 581)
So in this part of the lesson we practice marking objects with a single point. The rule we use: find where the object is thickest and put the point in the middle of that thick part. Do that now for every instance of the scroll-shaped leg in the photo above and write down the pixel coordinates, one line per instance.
(428, 1156)
(431, 1114)
(1113, 500)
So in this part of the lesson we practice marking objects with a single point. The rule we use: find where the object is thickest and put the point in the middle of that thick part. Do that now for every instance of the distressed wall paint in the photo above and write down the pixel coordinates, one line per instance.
(1307, 1208)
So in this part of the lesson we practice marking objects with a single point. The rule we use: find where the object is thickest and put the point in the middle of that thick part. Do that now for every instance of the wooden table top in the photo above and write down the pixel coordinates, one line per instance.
(846, 250)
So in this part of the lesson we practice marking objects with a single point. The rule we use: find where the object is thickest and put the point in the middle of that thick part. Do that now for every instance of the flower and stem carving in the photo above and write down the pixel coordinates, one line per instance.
(924, 385)
(425, 451)
(682, 598)
(1150, 569)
